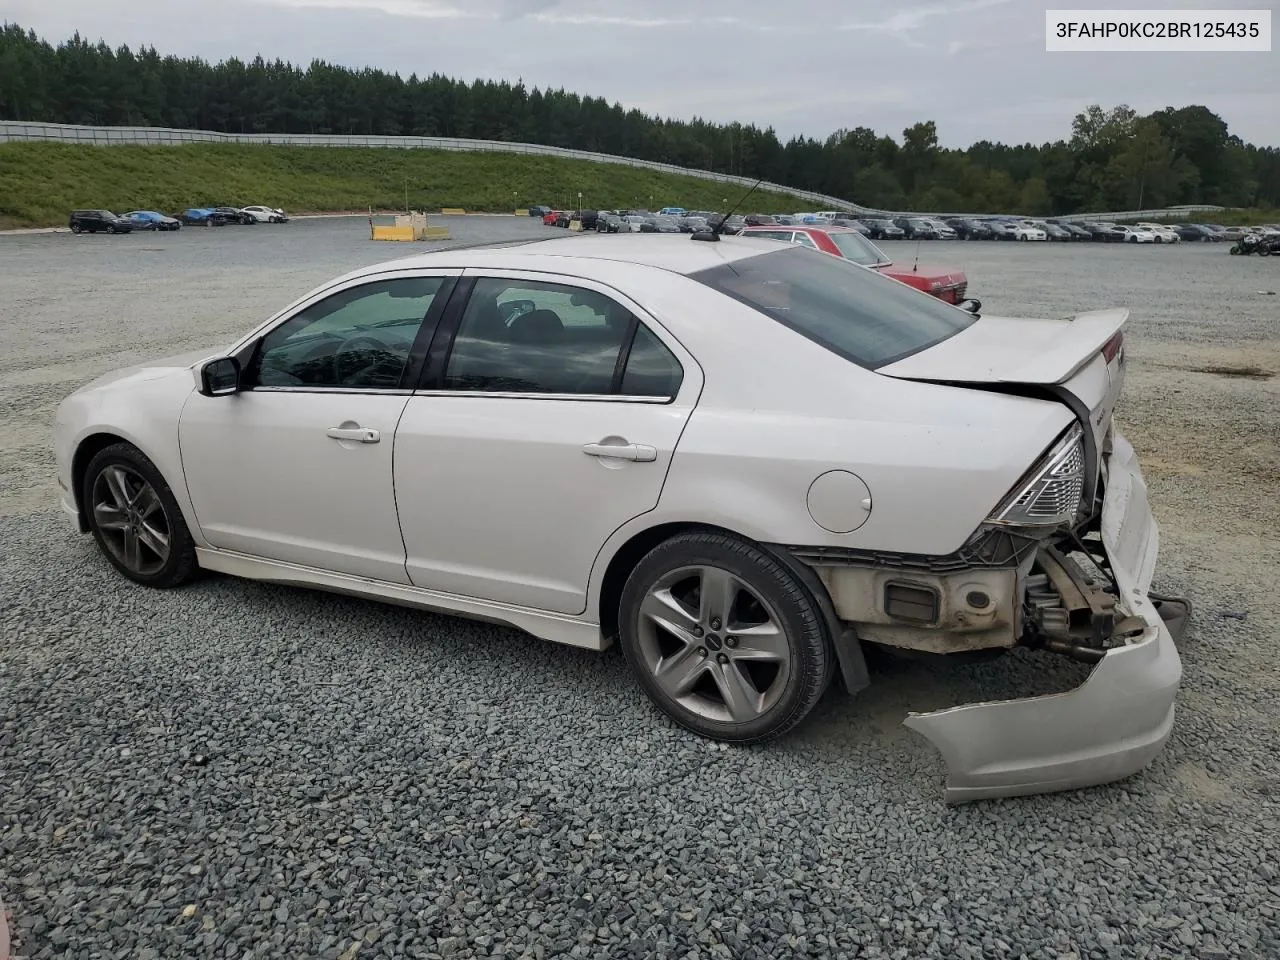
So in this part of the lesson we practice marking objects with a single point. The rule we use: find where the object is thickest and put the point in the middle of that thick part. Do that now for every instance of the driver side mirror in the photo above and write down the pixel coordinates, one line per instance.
(971, 305)
(220, 377)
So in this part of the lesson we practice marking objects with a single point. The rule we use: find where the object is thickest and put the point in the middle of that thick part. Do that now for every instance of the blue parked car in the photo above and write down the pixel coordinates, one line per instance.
(203, 216)
(150, 220)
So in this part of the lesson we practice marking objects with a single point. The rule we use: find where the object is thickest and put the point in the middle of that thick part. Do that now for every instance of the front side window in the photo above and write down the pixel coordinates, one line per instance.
(856, 313)
(360, 337)
(529, 336)
(805, 240)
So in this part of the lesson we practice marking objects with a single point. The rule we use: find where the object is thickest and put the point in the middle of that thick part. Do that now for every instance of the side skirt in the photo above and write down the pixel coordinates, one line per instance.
(546, 626)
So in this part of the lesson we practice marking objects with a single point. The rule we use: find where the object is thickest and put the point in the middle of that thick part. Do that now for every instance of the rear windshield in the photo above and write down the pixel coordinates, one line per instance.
(854, 312)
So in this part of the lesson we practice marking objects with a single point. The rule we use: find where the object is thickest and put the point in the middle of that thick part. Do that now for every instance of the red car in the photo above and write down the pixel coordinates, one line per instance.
(947, 285)
(552, 219)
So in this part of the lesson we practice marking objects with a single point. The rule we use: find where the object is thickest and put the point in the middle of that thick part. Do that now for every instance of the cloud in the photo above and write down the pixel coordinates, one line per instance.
(421, 9)
(905, 22)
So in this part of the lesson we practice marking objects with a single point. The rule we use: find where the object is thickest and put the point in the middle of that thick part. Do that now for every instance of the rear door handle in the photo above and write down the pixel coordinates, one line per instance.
(621, 451)
(361, 434)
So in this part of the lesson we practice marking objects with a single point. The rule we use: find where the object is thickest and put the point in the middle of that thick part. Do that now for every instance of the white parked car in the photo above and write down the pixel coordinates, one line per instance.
(742, 460)
(1029, 231)
(266, 214)
(1162, 232)
(1137, 234)
(632, 223)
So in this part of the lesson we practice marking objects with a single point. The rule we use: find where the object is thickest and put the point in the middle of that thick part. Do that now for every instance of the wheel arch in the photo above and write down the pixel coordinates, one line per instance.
(848, 649)
(98, 439)
(88, 448)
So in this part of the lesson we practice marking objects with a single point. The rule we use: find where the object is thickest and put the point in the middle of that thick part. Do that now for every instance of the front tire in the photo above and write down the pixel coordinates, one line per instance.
(135, 519)
(723, 638)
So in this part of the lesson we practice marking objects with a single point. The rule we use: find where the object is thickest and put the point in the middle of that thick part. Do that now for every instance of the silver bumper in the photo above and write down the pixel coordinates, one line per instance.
(1106, 729)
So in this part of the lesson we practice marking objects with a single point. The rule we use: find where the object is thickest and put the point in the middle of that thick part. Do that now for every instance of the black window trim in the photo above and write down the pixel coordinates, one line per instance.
(431, 381)
(417, 350)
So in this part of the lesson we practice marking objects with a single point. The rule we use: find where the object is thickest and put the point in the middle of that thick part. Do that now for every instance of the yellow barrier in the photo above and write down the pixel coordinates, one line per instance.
(411, 233)
(452, 211)
(393, 233)
(575, 224)
(522, 213)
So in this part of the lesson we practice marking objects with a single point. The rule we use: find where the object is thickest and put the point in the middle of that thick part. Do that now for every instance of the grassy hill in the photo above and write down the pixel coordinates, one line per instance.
(41, 182)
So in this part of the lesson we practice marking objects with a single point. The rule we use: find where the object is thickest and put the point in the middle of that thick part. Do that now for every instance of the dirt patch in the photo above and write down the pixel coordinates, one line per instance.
(1251, 373)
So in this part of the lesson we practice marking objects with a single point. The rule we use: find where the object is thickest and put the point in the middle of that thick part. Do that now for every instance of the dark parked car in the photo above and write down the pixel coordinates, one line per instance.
(692, 224)
(1077, 232)
(233, 215)
(98, 221)
(587, 218)
(539, 211)
(916, 228)
(660, 224)
(1002, 230)
(879, 228)
(967, 228)
(608, 223)
(852, 224)
(759, 220)
(151, 220)
(1195, 232)
(1098, 232)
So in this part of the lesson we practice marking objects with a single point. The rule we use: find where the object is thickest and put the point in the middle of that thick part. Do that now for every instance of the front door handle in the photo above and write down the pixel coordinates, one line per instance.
(360, 434)
(621, 451)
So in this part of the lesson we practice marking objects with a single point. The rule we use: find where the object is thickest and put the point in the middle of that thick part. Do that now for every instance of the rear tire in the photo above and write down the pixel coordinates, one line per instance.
(723, 638)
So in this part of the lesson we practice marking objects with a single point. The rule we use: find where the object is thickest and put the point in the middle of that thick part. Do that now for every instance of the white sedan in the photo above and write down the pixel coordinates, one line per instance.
(1029, 231)
(266, 214)
(742, 460)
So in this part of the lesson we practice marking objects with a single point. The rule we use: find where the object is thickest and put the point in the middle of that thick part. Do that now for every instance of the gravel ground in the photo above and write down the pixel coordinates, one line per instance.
(238, 770)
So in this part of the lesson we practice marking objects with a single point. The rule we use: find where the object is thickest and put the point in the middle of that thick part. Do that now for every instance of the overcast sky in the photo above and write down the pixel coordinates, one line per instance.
(978, 68)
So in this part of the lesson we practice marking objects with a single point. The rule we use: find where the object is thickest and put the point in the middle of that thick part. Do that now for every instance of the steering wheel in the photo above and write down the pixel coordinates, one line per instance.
(342, 365)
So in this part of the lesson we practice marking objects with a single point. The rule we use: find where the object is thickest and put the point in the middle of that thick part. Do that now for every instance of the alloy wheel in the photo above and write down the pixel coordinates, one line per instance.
(714, 645)
(131, 519)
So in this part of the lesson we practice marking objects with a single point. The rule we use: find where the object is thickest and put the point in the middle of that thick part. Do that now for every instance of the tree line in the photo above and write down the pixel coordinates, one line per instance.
(1114, 158)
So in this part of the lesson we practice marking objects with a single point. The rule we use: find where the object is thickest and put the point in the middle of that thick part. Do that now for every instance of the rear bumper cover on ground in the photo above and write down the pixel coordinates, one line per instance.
(1104, 730)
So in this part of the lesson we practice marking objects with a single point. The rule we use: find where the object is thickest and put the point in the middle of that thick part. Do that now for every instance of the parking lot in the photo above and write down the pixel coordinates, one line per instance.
(239, 770)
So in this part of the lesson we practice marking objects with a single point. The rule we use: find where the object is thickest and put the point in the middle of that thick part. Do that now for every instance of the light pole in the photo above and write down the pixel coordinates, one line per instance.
(579, 201)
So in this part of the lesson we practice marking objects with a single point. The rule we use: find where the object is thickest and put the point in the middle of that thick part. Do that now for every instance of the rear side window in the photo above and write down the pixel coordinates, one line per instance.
(851, 310)
(530, 337)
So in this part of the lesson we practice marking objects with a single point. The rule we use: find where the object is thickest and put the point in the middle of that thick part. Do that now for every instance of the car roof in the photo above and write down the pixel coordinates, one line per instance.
(675, 253)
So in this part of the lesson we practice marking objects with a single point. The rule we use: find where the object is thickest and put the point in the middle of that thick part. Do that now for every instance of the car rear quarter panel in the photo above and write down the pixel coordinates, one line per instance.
(777, 411)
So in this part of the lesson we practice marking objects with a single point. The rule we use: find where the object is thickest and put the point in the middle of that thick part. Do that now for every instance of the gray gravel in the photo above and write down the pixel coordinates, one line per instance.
(237, 770)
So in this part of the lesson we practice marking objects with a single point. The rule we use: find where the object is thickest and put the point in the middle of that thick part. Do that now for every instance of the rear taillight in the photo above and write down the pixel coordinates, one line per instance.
(1113, 347)
(1051, 493)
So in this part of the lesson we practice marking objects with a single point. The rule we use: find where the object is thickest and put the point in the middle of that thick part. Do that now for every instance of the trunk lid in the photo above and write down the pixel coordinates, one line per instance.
(1083, 353)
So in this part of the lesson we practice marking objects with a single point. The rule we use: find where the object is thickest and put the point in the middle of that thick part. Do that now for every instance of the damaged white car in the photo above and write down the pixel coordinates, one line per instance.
(740, 460)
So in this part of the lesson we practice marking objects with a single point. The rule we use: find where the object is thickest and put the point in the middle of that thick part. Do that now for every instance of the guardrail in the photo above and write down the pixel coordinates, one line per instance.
(14, 130)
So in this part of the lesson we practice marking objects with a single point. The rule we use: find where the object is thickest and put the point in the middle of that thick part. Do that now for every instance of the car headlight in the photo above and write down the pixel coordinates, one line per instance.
(1051, 492)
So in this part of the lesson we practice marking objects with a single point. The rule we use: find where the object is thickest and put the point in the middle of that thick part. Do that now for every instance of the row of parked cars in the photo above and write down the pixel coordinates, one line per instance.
(837, 236)
(679, 220)
(667, 220)
(105, 221)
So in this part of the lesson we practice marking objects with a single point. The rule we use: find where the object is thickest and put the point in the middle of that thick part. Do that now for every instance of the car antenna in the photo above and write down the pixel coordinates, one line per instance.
(915, 267)
(713, 235)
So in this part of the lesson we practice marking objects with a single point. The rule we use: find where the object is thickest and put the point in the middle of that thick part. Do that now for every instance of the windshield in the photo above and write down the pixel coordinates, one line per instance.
(854, 246)
(854, 312)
